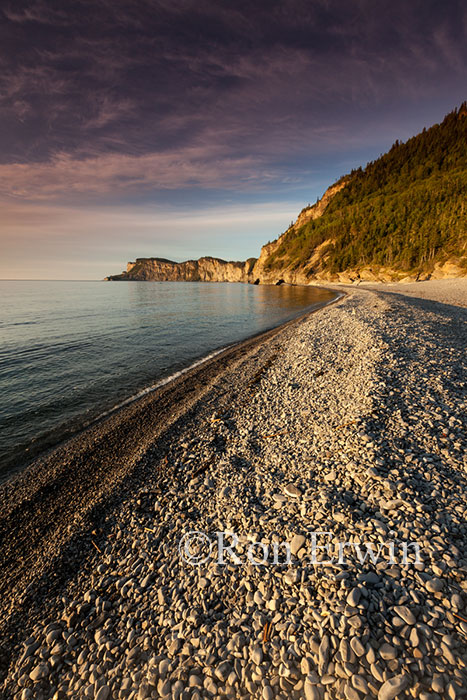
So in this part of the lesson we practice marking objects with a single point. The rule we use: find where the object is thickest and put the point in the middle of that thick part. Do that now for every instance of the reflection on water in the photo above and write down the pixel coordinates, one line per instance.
(70, 350)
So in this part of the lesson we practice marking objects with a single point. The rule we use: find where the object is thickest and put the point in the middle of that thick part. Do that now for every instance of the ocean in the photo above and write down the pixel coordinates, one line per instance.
(72, 351)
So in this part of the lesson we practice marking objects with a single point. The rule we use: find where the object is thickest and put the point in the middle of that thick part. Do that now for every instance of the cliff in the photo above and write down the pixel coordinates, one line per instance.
(209, 269)
(401, 218)
(287, 271)
(206, 269)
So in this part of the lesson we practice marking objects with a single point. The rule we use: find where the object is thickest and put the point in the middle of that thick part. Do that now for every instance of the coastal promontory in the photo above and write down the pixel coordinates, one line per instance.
(401, 218)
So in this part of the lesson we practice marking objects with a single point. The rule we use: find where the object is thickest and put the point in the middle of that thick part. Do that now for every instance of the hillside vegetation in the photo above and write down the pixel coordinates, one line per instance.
(404, 212)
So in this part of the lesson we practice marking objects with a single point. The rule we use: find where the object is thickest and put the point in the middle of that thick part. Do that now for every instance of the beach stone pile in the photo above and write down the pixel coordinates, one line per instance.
(352, 423)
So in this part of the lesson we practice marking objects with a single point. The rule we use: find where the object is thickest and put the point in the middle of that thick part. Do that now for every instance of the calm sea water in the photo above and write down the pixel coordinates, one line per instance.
(70, 351)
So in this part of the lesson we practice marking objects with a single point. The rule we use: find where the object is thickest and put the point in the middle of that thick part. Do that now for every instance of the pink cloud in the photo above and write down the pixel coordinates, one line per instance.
(206, 167)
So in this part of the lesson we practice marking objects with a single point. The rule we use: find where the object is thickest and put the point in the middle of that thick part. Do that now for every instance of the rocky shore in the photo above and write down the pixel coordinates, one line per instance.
(349, 422)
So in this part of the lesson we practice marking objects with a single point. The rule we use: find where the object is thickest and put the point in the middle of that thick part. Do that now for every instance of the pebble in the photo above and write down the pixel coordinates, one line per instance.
(357, 646)
(387, 651)
(40, 671)
(292, 491)
(405, 614)
(257, 655)
(434, 585)
(324, 652)
(297, 543)
(354, 597)
(311, 692)
(393, 687)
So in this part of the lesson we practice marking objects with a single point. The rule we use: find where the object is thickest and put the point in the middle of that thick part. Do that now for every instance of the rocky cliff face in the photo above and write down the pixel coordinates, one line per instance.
(289, 274)
(210, 269)
(203, 270)
(258, 271)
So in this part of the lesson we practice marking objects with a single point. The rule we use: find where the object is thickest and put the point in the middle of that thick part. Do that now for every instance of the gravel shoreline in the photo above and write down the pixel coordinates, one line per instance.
(349, 421)
(450, 291)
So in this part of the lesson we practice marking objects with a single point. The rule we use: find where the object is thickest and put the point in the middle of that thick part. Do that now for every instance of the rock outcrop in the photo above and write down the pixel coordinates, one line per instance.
(209, 269)
(203, 270)
(275, 265)
(288, 273)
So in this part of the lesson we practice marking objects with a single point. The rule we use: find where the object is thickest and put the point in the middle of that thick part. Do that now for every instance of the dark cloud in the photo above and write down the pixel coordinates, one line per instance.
(127, 94)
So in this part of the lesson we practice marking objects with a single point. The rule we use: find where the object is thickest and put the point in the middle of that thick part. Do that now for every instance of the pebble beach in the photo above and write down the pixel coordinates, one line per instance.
(349, 422)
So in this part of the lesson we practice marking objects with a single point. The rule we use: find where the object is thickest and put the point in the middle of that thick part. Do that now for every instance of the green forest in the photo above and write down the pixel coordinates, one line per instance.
(404, 211)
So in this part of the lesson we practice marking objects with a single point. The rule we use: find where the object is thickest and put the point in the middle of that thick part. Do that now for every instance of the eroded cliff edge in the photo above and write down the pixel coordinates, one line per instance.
(206, 269)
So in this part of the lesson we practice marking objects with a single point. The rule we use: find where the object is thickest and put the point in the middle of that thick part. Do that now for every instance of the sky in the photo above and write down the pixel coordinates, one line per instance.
(182, 128)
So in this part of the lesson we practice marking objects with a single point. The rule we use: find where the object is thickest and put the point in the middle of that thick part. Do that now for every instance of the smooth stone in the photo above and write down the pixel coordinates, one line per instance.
(387, 652)
(133, 655)
(357, 646)
(177, 689)
(311, 692)
(312, 678)
(103, 693)
(370, 578)
(258, 598)
(356, 621)
(360, 684)
(344, 650)
(163, 667)
(323, 654)
(40, 671)
(405, 614)
(452, 691)
(29, 651)
(53, 635)
(354, 597)
(437, 684)
(164, 688)
(257, 655)
(146, 581)
(434, 585)
(339, 517)
(393, 687)
(351, 693)
(292, 491)
(279, 497)
(223, 671)
(297, 543)
(210, 686)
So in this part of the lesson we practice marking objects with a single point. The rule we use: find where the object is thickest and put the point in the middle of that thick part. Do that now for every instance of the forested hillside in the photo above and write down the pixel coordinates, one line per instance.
(404, 212)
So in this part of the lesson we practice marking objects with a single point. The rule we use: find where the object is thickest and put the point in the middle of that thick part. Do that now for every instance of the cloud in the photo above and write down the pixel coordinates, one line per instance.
(37, 12)
(144, 78)
(33, 219)
(108, 109)
(117, 173)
